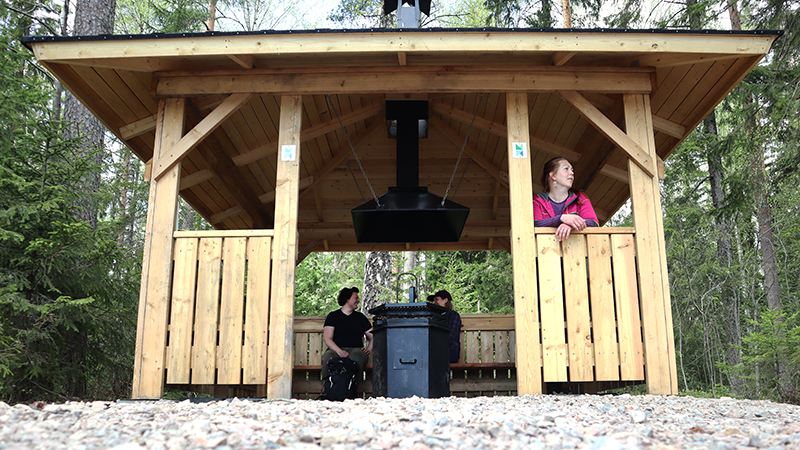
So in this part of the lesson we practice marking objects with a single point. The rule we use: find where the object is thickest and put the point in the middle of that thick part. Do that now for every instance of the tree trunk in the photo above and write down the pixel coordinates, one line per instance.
(212, 15)
(92, 17)
(730, 303)
(58, 87)
(567, 13)
(409, 264)
(377, 280)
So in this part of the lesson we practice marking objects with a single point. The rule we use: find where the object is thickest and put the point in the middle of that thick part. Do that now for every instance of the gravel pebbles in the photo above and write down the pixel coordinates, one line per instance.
(546, 422)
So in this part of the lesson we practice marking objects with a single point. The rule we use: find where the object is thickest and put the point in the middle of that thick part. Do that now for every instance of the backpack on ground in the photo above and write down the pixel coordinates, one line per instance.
(342, 381)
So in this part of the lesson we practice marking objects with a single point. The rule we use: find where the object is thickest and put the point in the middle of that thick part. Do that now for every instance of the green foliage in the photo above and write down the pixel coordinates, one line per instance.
(67, 292)
(320, 277)
(773, 346)
(480, 282)
(161, 16)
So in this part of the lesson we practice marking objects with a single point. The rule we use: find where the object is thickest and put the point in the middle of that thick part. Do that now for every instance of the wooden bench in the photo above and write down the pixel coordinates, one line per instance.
(486, 368)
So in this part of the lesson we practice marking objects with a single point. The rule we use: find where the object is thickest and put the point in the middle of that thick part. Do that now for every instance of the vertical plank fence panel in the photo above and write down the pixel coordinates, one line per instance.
(487, 346)
(183, 296)
(204, 352)
(254, 362)
(626, 292)
(231, 317)
(576, 296)
(551, 302)
(601, 286)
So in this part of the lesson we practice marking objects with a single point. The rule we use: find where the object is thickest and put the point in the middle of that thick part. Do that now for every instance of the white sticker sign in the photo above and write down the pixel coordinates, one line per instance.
(289, 153)
(519, 150)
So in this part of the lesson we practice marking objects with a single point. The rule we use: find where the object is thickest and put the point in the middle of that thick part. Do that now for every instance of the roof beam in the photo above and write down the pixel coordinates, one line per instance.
(138, 128)
(535, 142)
(669, 127)
(200, 131)
(610, 130)
(427, 43)
(246, 61)
(381, 80)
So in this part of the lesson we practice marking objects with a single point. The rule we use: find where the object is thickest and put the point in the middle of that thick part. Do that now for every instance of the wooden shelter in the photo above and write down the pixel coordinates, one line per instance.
(254, 131)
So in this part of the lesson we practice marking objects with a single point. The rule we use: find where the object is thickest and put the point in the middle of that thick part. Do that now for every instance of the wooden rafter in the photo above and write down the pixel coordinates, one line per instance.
(200, 131)
(610, 130)
(138, 128)
(272, 148)
(500, 130)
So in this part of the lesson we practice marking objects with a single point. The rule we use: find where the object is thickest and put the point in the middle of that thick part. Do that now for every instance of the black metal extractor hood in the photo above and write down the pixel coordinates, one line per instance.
(408, 213)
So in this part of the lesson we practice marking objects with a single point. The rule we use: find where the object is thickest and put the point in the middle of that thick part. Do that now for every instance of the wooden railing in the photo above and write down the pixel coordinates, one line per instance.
(486, 366)
(589, 311)
(589, 306)
(219, 308)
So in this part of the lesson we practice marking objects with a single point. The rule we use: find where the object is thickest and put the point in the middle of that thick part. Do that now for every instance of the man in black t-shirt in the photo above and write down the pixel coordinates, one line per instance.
(344, 330)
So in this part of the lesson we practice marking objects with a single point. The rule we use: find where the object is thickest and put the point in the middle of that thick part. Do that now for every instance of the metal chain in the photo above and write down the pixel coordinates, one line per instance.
(462, 177)
(347, 160)
(460, 154)
(329, 102)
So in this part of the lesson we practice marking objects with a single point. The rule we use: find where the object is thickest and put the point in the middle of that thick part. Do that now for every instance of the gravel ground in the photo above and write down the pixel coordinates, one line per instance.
(548, 421)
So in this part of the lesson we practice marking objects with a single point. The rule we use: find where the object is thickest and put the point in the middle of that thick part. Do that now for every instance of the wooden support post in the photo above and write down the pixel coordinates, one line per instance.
(523, 247)
(651, 262)
(154, 294)
(287, 195)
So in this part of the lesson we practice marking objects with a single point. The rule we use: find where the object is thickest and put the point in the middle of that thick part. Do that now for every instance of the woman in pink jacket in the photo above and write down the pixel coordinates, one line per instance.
(561, 206)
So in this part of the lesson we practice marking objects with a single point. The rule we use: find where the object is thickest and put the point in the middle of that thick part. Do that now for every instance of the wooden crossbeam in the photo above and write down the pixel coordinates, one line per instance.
(669, 127)
(246, 61)
(272, 148)
(138, 128)
(500, 130)
(382, 80)
(200, 131)
(610, 130)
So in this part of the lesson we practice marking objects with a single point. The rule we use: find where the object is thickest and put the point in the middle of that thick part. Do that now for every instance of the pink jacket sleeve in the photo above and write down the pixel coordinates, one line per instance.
(539, 209)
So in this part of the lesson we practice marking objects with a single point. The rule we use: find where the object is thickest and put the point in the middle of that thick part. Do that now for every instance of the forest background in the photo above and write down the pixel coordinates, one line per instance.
(73, 200)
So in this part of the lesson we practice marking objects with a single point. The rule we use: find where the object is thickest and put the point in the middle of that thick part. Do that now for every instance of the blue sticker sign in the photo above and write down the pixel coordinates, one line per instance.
(289, 153)
(519, 150)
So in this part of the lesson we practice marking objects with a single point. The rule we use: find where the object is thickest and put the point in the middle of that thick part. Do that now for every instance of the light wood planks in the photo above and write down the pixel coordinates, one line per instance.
(626, 302)
(279, 381)
(654, 295)
(209, 274)
(610, 130)
(526, 301)
(408, 79)
(315, 44)
(196, 135)
(551, 302)
(182, 311)
(576, 301)
(601, 292)
(254, 362)
(231, 312)
(151, 340)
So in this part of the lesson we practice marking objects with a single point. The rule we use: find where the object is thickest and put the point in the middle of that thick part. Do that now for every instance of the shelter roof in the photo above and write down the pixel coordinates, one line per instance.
(345, 77)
